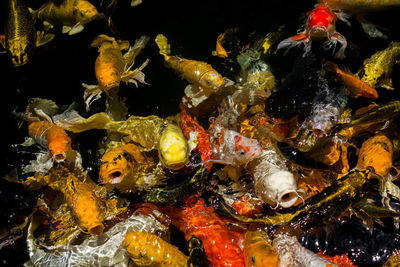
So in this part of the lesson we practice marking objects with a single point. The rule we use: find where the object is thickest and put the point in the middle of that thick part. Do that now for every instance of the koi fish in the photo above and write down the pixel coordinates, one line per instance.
(360, 8)
(219, 49)
(20, 37)
(320, 24)
(52, 137)
(121, 167)
(258, 250)
(377, 69)
(87, 208)
(376, 152)
(72, 14)
(220, 244)
(111, 67)
(146, 249)
(355, 86)
(232, 148)
(342, 260)
(197, 73)
(173, 148)
(190, 127)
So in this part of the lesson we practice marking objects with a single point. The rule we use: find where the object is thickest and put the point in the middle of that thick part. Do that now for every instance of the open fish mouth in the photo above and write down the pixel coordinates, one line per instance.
(113, 177)
(59, 157)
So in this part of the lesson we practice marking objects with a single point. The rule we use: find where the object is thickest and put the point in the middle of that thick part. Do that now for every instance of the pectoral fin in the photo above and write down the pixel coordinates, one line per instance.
(47, 25)
(3, 42)
(293, 41)
(91, 94)
(42, 38)
(387, 84)
(77, 28)
(135, 75)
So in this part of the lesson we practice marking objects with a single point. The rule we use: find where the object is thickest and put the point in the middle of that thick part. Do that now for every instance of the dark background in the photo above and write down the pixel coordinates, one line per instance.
(58, 68)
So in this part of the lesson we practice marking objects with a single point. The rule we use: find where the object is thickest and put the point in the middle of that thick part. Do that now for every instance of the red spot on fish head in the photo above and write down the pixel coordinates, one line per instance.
(321, 20)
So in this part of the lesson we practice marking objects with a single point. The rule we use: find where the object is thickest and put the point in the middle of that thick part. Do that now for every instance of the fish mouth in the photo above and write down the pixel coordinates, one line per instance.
(59, 157)
(287, 198)
(318, 132)
(113, 177)
(319, 32)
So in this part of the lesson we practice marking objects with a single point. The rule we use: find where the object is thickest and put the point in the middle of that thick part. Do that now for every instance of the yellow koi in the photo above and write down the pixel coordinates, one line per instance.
(111, 67)
(377, 69)
(197, 73)
(72, 14)
(20, 35)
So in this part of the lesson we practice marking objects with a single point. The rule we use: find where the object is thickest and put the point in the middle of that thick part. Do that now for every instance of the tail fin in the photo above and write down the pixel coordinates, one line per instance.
(162, 43)
(330, 66)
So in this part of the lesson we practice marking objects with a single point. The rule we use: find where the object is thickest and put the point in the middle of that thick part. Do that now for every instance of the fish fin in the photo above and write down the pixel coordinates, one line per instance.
(47, 25)
(162, 43)
(330, 66)
(135, 75)
(136, 2)
(293, 41)
(3, 43)
(343, 16)
(77, 28)
(65, 29)
(91, 94)
(99, 39)
(371, 29)
(41, 114)
(342, 40)
(387, 84)
(42, 38)
(123, 45)
(134, 51)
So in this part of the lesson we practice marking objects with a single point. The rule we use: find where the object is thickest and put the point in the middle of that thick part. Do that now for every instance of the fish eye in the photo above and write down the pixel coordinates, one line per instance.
(241, 152)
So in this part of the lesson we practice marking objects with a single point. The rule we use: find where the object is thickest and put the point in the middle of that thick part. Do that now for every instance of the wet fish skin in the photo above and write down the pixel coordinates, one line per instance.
(377, 69)
(20, 34)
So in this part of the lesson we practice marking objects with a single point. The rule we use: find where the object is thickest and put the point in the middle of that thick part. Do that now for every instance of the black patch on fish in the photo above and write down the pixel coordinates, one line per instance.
(128, 157)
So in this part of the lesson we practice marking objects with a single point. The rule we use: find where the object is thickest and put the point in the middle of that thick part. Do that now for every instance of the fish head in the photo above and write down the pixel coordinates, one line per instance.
(173, 148)
(107, 76)
(59, 146)
(321, 22)
(324, 120)
(211, 80)
(19, 50)
(85, 12)
(116, 166)
(245, 149)
(372, 75)
(139, 249)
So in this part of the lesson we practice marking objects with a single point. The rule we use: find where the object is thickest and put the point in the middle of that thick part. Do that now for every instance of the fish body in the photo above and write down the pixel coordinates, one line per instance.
(360, 6)
(20, 34)
(197, 73)
(220, 243)
(146, 249)
(376, 152)
(320, 24)
(377, 69)
(232, 148)
(112, 67)
(258, 250)
(51, 136)
(72, 14)
(355, 86)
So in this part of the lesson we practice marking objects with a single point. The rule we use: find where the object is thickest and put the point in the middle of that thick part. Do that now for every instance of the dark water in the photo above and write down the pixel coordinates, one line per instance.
(58, 68)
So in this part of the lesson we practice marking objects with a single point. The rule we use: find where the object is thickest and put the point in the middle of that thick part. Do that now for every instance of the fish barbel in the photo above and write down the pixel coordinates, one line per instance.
(72, 14)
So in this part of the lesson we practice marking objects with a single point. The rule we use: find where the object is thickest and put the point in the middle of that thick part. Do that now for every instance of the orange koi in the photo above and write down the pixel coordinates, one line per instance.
(51, 136)
(146, 249)
(376, 152)
(320, 24)
(198, 73)
(220, 244)
(248, 206)
(219, 49)
(341, 261)
(355, 86)
(189, 126)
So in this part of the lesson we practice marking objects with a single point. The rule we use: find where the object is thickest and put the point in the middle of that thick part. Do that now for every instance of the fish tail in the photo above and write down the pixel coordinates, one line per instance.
(162, 43)
(330, 66)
